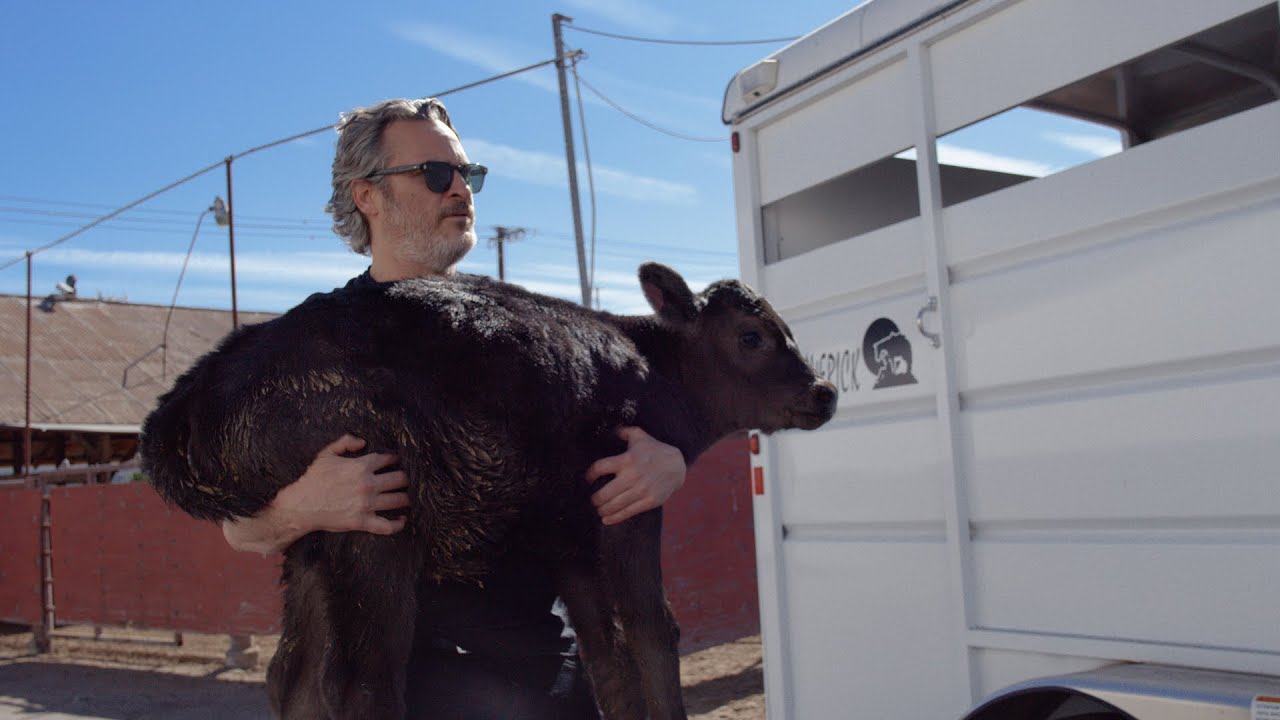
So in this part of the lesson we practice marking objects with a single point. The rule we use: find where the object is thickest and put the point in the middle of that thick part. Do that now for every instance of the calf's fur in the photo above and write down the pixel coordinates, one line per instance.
(496, 401)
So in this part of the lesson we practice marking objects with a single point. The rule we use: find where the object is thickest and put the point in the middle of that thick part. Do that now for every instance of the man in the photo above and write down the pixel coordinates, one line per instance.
(402, 193)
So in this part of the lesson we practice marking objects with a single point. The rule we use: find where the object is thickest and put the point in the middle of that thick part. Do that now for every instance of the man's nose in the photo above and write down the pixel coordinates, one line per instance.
(458, 186)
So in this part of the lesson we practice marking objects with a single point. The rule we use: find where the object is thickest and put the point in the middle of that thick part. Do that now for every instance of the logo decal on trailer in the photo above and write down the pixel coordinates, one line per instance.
(887, 353)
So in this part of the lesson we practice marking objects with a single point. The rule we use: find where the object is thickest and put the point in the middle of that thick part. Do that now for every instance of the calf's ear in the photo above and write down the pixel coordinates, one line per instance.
(667, 293)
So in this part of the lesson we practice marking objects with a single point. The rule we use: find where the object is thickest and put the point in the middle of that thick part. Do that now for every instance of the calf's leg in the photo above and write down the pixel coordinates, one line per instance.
(372, 602)
(632, 560)
(293, 678)
(614, 676)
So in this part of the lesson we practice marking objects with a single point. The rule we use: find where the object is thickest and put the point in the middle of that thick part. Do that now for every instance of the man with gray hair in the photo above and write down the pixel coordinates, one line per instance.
(403, 190)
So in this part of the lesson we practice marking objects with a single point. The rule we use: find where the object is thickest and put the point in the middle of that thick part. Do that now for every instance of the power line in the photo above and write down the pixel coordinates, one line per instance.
(226, 162)
(641, 120)
(682, 42)
(110, 215)
(152, 211)
(292, 225)
(569, 55)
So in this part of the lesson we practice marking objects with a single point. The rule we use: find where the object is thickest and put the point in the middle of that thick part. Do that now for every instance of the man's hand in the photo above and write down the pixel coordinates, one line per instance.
(336, 494)
(644, 477)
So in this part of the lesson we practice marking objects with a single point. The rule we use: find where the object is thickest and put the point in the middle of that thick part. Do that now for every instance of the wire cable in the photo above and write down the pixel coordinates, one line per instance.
(164, 339)
(641, 120)
(229, 158)
(680, 42)
(567, 56)
(111, 214)
(591, 183)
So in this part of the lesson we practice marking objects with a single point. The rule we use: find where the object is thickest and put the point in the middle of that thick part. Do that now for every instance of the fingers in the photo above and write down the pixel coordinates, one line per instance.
(346, 444)
(379, 525)
(633, 434)
(388, 481)
(389, 501)
(604, 466)
(625, 506)
(611, 490)
(377, 461)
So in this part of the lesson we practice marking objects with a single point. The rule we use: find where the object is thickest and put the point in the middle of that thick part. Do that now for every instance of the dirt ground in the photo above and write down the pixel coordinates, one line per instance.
(149, 677)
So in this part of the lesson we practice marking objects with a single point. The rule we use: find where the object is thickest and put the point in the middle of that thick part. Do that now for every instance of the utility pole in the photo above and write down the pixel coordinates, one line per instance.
(501, 235)
(556, 19)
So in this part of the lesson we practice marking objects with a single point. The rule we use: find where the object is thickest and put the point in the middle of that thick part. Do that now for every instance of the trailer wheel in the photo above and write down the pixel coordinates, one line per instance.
(1047, 703)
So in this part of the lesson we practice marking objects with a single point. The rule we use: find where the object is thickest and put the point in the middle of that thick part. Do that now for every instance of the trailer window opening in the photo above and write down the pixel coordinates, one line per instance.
(871, 197)
(1222, 71)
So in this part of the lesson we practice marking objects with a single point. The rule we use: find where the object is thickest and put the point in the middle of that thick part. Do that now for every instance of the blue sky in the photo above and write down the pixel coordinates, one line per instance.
(105, 103)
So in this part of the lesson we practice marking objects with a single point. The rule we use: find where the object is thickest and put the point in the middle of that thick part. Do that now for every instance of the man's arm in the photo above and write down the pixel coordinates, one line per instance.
(645, 475)
(335, 494)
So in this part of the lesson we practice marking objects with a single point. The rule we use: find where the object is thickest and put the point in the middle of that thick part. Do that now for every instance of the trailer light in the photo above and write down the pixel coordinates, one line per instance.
(758, 80)
(757, 480)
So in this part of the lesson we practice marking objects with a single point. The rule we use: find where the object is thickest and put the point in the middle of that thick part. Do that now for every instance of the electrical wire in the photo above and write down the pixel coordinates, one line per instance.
(644, 122)
(229, 158)
(185, 214)
(164, 339)
(110, 215)
(567, 56)
(680, 42)
(591, 183)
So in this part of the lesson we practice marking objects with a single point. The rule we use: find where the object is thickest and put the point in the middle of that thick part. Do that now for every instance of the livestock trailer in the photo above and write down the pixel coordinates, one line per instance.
(1035, 243)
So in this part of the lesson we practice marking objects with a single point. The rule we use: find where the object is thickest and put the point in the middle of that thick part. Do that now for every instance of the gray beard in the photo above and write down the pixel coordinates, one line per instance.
(427, 247)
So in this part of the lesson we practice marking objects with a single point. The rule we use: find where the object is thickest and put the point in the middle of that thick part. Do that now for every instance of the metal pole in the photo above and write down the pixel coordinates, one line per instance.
(43, 634)
(556, 19)
(501, 235)
(231, 237)
(26, 426)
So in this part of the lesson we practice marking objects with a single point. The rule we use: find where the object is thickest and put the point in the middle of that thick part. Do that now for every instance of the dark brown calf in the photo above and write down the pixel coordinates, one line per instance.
(496, 401)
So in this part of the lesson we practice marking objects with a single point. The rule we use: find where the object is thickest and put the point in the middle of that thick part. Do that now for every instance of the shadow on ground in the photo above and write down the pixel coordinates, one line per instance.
(717, 692)
(60, 690)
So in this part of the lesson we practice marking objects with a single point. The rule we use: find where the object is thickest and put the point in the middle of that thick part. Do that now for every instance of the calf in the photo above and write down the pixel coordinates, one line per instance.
(496, 401)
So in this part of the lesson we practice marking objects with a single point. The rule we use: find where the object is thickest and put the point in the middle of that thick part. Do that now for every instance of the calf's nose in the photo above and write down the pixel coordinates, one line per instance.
(825, 397)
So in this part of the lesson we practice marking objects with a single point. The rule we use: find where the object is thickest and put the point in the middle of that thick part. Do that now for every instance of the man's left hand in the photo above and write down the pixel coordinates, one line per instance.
(644, 477)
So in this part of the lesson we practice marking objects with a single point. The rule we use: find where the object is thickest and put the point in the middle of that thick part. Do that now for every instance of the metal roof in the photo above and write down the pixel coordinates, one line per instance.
(98, 366)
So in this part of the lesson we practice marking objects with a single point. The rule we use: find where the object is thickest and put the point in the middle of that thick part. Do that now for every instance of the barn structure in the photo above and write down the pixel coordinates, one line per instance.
(97, 367)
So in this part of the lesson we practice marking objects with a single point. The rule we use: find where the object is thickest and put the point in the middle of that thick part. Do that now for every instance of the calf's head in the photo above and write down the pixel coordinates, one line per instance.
(737, 356)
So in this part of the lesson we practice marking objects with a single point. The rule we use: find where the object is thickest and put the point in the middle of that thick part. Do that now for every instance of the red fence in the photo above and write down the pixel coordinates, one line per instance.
(20, 556)
(121, 556)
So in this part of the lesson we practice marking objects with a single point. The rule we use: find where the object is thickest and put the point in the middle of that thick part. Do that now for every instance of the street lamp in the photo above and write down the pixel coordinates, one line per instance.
(220, 216)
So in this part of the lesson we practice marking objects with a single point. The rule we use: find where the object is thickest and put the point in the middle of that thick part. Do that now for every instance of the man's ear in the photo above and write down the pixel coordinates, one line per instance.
(365, 193)
(667, 293)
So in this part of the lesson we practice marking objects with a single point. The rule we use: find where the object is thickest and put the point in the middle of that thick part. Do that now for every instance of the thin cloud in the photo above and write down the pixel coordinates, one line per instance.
(486, 52)
(629, 14)
(497, 57)
(1097, 146)
(547, 169)
(319, 270)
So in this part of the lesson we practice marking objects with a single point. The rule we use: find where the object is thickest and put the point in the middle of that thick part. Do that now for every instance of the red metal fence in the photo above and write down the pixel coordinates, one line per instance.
(122, 557)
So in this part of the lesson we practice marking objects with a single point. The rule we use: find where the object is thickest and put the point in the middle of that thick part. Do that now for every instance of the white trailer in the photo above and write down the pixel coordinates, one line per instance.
(1052, 488)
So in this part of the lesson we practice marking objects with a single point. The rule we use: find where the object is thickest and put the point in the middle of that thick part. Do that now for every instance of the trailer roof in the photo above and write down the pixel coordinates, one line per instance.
(826, 49)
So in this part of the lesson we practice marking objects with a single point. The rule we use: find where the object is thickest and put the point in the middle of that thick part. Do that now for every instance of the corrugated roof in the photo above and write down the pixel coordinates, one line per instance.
(97, 362)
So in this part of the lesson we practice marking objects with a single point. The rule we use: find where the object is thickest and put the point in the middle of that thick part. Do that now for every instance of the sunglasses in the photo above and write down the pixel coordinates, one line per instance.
(439, 175)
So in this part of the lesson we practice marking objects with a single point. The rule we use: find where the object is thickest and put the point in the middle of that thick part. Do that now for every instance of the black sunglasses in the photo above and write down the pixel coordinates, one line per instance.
(439, 175)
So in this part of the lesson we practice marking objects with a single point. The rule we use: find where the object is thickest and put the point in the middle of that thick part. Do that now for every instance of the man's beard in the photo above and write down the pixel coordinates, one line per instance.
(430, 245)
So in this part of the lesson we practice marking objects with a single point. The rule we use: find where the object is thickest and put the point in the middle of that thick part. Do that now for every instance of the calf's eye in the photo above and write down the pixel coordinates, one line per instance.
(750, 340)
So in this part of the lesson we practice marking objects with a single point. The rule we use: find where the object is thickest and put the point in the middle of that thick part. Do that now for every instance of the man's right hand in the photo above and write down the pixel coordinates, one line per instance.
(336, 494)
